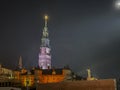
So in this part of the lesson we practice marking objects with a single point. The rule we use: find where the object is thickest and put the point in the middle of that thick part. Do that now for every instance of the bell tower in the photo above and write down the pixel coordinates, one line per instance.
(44, 61)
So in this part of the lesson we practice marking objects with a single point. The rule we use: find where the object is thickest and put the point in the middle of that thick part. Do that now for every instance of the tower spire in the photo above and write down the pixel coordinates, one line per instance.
(20, 63)
(45, 30)
(46, 20)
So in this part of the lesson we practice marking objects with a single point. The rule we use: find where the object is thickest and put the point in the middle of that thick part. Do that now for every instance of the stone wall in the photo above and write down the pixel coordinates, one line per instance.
(105, 84)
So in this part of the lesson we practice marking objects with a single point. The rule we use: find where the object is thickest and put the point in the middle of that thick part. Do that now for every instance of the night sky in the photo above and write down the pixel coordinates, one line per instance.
(83, 34)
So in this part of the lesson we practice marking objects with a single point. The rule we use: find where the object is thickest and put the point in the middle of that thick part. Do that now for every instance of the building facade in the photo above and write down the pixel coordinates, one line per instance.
(52, 75)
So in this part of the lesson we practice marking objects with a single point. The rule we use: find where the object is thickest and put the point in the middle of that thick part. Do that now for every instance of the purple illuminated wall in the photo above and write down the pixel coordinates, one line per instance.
(44, 58)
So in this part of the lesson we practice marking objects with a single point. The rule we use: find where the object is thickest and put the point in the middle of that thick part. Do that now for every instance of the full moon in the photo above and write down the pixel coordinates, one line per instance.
(117, 4)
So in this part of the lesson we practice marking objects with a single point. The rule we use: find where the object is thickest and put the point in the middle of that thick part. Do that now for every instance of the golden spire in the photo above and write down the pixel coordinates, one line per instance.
(46, 19)
(45, 31)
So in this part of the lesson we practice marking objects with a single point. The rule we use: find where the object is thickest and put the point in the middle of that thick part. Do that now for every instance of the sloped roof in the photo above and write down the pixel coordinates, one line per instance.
(49, 71)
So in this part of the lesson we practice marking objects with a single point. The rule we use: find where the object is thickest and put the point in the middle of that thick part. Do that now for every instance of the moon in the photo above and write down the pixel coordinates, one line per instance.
(117, 4)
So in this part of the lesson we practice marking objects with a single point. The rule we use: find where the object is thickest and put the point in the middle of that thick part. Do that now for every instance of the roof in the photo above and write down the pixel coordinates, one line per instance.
(50, 71)
(31, 72)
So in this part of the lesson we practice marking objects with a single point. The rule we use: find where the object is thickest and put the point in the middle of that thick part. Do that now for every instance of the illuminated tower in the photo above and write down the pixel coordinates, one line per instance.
(45, 55)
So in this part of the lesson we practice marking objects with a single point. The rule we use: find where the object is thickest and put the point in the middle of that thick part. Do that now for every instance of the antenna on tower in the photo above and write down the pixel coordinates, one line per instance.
(20, 63)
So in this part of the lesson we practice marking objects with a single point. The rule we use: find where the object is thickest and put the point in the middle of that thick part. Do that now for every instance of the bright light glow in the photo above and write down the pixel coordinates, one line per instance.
(117, 4)
(46, 17)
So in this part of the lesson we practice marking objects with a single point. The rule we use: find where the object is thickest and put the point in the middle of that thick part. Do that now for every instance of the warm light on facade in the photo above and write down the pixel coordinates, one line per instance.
(27, 80)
